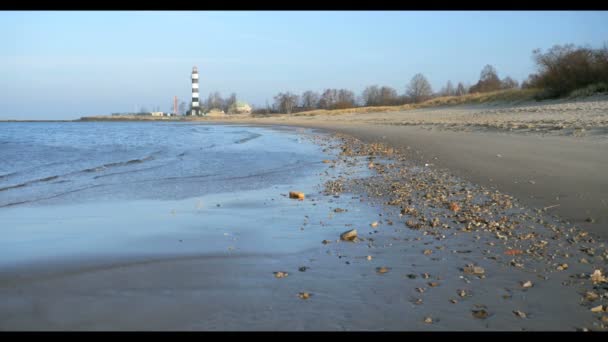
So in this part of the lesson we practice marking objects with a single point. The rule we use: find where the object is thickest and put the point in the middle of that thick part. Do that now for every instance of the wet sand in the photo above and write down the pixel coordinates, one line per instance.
(551, 154)
(420, 263)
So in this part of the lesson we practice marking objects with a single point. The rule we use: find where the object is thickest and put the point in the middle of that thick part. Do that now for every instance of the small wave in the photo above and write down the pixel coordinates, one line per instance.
(249, 138)
(109, 165)
(93, 169)
(50, 197)
(129, 171)
(7, 175)
(28, 183)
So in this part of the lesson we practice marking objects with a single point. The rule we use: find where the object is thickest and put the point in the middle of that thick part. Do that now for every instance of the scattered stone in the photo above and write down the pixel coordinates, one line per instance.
(605, 319)
(597, 277)
(326, 161)
(462, 293)
(590, 220)
(583, 261)
(418, 301)
(591, 296)
(527, 284)
(480, 314)
(420, 289)
(454, 207)
(296, 195)
(428, 320)
(412, 276)
(369, 257)
(433, 284)
(349, 235)
(374, 224)
(304, 295)
(426, 275)
(513, 252)
(339, 210)
(382, 270)
(476, 270)
(453, 301)
(280, 274)
(370, 165)
(427, 252)
(412, 224)
(325, 242)
(562, 267)
(599, 308)
(520, 314)
(303, 268)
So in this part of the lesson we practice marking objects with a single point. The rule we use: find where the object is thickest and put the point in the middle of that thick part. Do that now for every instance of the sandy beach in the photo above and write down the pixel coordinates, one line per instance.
(550, 154)
(436, 249)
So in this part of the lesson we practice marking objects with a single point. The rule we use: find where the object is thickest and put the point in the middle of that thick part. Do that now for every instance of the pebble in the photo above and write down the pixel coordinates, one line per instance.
(526, 284)
(382, 270)
(304, 295)
(281, 274)
(520, 314)
(428, 320)
(591, 296)
(481, 314)
(295, 195)
(349, 235)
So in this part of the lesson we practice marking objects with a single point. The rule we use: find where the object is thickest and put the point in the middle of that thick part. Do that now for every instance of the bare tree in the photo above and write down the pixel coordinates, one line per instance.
(229, 102)
(310, 99)
(460, 89)
(371, 96)
(346, 99)
(388, 96)
(215, 101)
(329, 98)
(488, 81)
(285, 102)
(509, 83)
(419, 89)
(448, 90)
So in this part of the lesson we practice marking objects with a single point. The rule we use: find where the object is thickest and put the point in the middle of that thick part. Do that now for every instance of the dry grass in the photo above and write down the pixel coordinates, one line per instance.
(510, 95)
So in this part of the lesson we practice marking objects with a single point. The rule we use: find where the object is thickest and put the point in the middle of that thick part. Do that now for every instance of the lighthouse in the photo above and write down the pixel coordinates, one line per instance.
(195, 97)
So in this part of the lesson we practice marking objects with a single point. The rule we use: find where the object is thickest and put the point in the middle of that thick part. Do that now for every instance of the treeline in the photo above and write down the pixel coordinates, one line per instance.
(418, 90)
(560, 71)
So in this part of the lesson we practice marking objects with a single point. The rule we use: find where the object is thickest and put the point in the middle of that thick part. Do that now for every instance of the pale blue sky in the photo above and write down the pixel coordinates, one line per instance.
(63, 65)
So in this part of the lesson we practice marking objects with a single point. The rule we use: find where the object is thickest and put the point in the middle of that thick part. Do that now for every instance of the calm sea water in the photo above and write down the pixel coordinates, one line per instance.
(54, 163)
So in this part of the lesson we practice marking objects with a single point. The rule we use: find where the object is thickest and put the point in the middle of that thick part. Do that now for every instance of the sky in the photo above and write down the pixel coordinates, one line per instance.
(64, 65)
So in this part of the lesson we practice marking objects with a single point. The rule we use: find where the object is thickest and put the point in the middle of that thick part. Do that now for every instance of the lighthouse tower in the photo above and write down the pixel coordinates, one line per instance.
(195, 97)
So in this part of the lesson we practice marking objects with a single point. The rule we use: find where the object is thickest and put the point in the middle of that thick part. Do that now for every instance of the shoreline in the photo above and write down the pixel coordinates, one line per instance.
(564, 174)
(411, 268)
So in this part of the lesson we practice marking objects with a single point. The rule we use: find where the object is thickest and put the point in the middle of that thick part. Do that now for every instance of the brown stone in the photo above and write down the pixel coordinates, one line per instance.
(296, 195)
(349, 235)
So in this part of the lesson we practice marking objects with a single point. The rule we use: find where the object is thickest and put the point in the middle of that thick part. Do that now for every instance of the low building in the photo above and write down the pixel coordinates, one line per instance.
(240, 107)
(157, 113)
